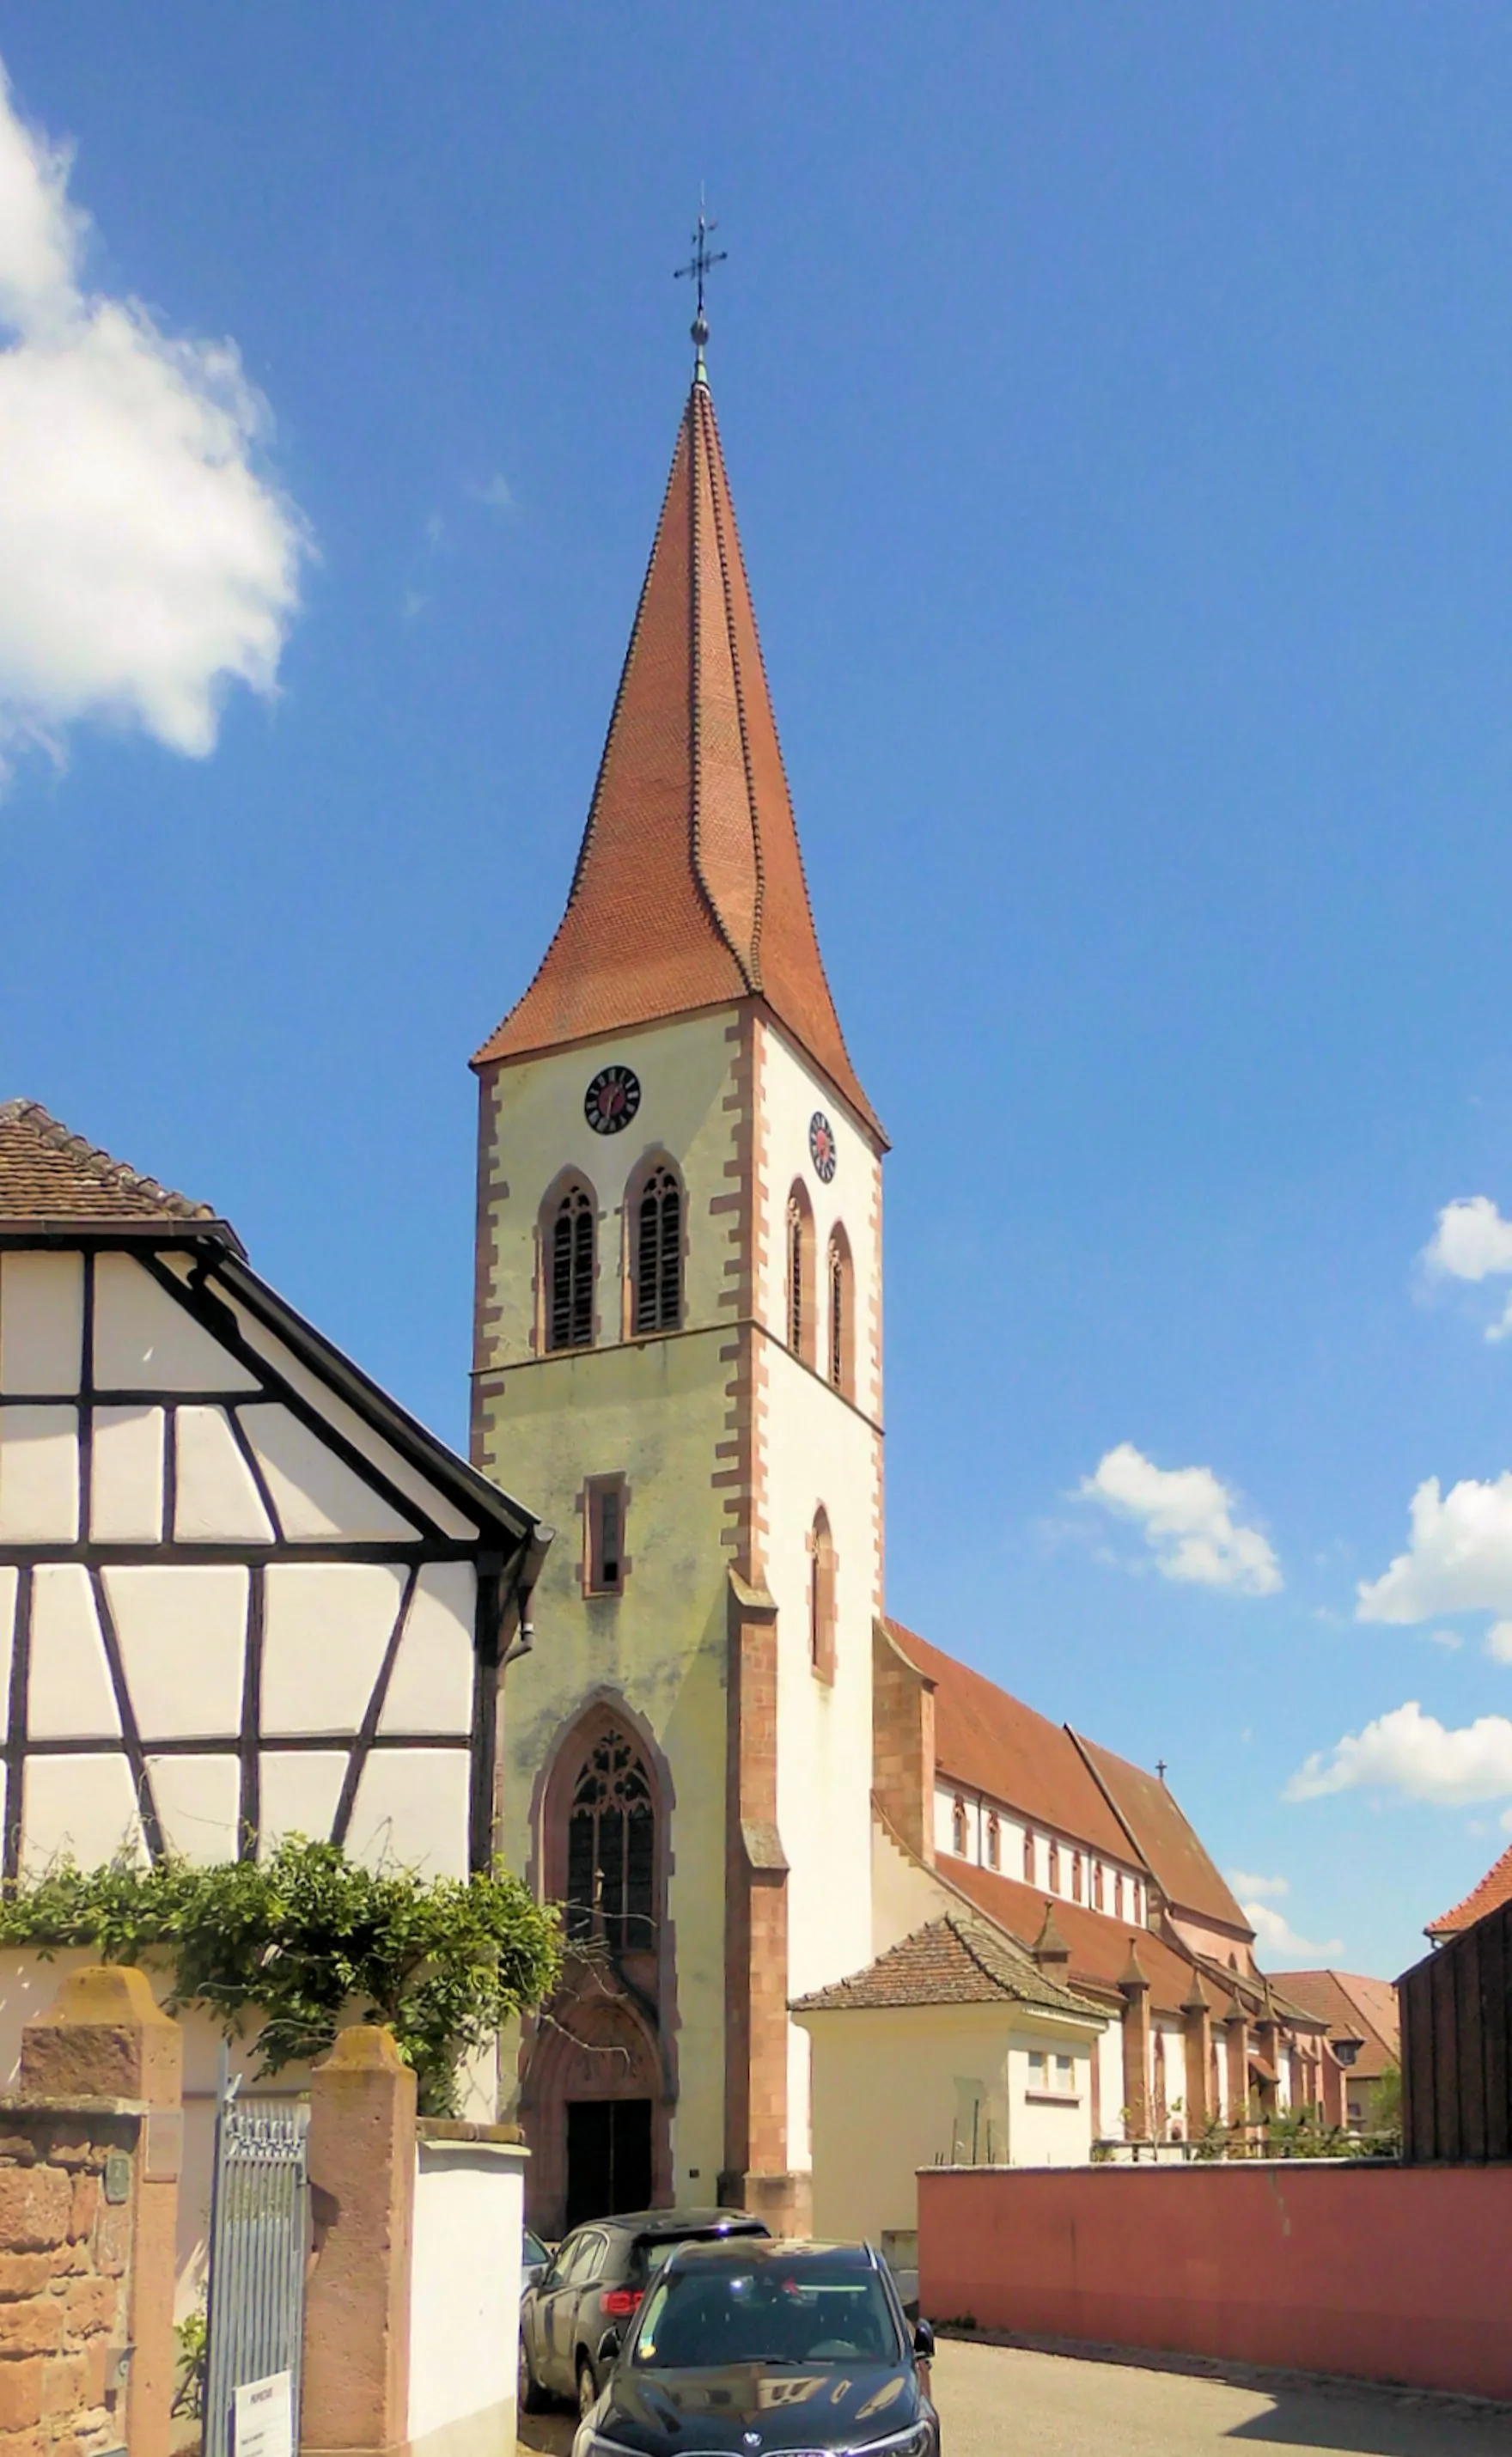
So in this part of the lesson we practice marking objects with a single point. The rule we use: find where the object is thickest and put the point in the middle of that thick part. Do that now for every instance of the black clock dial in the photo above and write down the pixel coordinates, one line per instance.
(824, 1151)
(612, 1099)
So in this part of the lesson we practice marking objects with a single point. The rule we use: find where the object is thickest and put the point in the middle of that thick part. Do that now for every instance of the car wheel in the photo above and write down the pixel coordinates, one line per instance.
(533, 2396)
(586, 2385)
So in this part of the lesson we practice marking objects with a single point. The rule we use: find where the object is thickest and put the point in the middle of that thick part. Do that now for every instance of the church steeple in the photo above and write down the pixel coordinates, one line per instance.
(689, 890)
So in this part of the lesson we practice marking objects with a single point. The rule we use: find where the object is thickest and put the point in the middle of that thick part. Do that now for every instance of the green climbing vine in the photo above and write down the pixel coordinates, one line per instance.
(292, 1942)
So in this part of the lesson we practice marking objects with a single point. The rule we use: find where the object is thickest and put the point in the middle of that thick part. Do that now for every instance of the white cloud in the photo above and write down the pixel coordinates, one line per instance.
(1409, 1752)
(1471, 1241)
(145, 563)
(1499, 1641)
(1244, 1883)
(1458, 1557)
(1279, 1942)
(1187, 1516)
(1449, 1637)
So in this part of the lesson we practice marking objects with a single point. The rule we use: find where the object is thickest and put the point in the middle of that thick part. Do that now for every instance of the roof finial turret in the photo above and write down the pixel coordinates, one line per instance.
(699, 265)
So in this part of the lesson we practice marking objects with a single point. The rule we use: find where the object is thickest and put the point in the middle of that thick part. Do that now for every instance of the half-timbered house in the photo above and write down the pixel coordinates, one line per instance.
(243, 1593)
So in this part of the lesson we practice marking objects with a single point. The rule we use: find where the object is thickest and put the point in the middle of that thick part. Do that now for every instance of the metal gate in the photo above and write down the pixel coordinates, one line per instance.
(259, 2238)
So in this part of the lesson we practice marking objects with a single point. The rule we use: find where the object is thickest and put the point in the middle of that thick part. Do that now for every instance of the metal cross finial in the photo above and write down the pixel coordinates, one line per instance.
(1160, 1768)
(697, 269)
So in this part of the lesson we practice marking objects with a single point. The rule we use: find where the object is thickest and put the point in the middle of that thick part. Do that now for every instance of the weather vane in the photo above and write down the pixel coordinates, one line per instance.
(697, 269)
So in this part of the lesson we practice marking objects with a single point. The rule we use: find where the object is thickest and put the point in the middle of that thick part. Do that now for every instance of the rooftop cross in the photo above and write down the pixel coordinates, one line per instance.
(697, 269)
(1160, 1768)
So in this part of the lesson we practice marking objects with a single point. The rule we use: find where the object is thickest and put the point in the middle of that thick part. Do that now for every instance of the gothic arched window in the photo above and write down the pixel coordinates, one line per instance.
(958, 1829)
(1118, 1896)
(994, 1842)
(1029, 1855)
(570, 1242)
(612, 1848)
(657, 1260)
(1076, 1876)
(843, 1329)
(1055, 1866)
(801, 1293)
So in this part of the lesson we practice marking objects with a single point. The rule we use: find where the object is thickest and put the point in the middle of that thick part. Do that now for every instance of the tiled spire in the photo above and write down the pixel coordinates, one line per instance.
(689, 890)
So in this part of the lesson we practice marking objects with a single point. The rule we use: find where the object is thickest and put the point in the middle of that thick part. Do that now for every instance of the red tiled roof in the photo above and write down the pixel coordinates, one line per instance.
(1494, 1889)
(1365, 2009)
(689, 890)
(1171, 1850)
(992, 1742)
(953, 1961)
(1100, 1947)
(49, 1175)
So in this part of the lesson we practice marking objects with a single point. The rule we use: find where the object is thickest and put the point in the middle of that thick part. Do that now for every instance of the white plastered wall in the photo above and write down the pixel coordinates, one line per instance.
(464, 2298)
(819, 1451)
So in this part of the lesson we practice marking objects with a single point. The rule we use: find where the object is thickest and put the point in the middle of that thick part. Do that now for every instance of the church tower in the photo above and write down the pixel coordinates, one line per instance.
(678, 1355)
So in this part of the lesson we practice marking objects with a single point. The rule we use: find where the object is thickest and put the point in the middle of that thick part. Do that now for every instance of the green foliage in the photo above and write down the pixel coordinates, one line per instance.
(190, 2344)
(1386, 2106)
(294, 1940)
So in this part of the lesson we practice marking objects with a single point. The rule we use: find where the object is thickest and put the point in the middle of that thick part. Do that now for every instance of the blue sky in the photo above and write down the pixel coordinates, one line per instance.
(1116, 404)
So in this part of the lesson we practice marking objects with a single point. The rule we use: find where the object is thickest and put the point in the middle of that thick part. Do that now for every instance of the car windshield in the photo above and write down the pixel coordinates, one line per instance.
(806, 2308)
(653, 2251)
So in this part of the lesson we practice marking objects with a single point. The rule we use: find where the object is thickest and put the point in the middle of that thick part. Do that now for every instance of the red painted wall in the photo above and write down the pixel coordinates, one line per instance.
(1395, 2274)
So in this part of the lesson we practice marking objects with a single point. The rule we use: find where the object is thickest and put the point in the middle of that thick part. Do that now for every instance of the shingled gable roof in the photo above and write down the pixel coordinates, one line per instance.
(1168, 1845)
(1099, 1947)
(51, 1178)
(689, 890)
(956, 1960)
(994, 1743)
(1494, 1889)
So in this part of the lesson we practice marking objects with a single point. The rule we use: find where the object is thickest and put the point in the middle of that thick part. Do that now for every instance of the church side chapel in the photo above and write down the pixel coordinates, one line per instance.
(745, 1784)
(241, 1592)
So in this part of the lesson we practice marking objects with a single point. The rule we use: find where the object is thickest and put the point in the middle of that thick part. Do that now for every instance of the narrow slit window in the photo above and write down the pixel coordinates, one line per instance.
(1028, 1856)
(570, 1317)
(605, 1565)
(958, 1829)
(994, 1843)
(1118, 1897)
(821, 1599)
(1055, 1867)
(1076, 1876)
(658, 1255)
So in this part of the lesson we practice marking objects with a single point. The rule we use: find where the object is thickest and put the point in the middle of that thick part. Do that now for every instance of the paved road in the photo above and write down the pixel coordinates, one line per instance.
(1002, 2402)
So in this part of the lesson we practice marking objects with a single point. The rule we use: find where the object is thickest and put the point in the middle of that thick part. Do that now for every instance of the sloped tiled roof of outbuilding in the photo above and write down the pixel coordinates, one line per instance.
(1494, 1889)
(1166, 1842)
(952, 1961)
(995, 1743)
(49, 1174)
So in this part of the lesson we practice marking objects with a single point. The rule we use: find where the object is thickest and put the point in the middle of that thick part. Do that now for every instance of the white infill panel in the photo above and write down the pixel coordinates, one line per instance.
(9, 1583)
(69, 1696)
(430, 1689)
(315, 1493)
(300, 1790)
(182, 1636)
(81, 1808)
(411, 1811)
(145, 1340)
(216, 1501)
(371, 1445)
(39, 1474)
(326, 1625)
(126, 1476)
(41, 1322)
(198, 1800)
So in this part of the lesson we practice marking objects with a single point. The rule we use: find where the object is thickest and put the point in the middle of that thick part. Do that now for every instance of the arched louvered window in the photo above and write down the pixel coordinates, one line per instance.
(838, 1361)
(570, 1309)
(612, 1848)
(658, 1230)
(802, 1295)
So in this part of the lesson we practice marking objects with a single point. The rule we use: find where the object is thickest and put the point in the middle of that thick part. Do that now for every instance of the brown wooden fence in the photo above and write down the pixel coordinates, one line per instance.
(1456, 2048)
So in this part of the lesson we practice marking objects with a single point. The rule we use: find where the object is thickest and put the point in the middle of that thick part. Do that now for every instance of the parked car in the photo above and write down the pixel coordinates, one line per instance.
(534, 2259)
(763, 2348)
(593, 2286)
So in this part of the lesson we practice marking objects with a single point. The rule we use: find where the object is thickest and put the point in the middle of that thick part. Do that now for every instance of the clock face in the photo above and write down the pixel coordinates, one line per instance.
(822, 1150)
(612, 1099)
